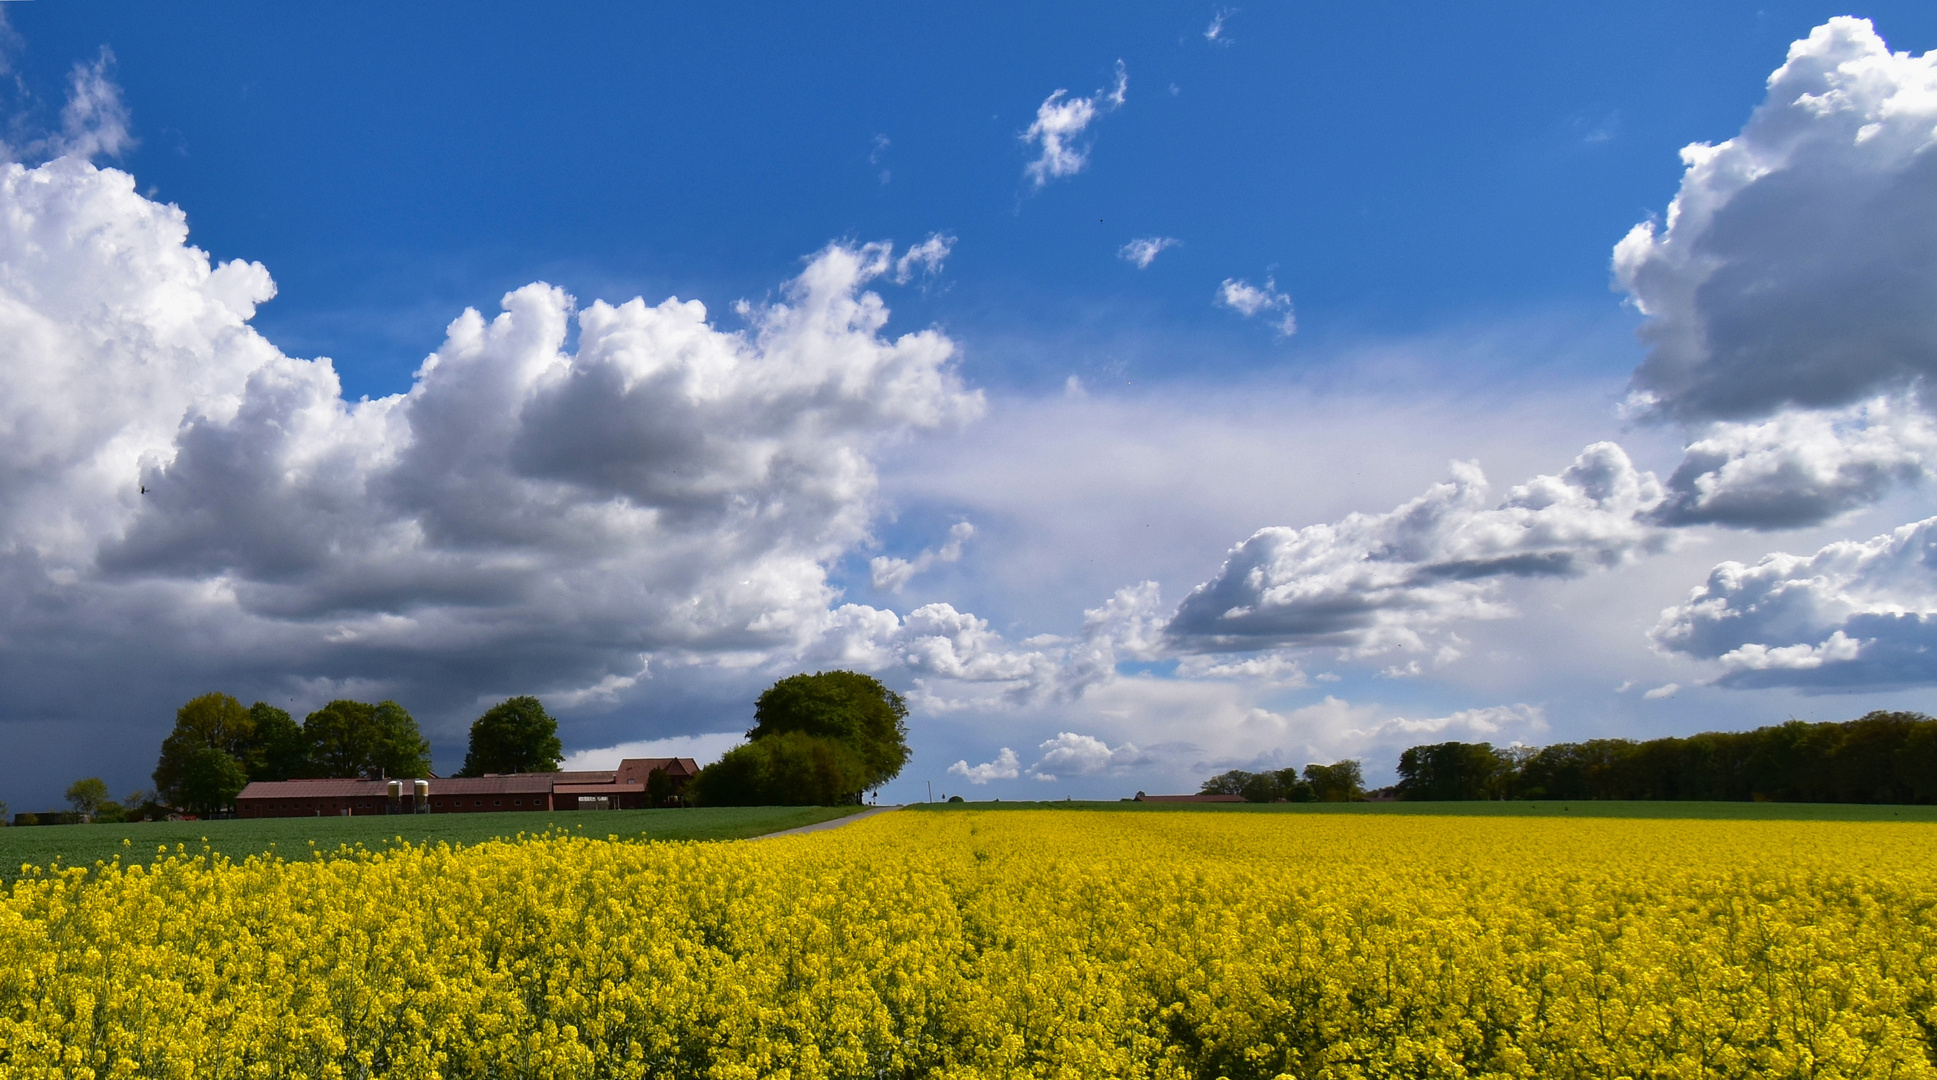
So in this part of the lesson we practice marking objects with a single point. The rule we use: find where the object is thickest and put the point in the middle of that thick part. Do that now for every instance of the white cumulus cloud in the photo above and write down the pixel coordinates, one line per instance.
(1788, 291)
(1854, 613)
(183, 505)
(1006, 766)
(1374, 581)
(1794, 266)
(1799, 467)
(1071, 754)
(1059, 127)
(957, 661)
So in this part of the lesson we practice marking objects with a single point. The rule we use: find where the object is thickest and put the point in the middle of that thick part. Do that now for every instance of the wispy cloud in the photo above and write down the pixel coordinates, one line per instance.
(924, 258)
(1144, 250)
(891, 573)
(1248, 300)
(1059, 127)
(1215, 33)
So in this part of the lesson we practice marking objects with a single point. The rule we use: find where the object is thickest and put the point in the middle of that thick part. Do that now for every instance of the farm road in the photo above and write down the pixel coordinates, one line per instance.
(834, 824)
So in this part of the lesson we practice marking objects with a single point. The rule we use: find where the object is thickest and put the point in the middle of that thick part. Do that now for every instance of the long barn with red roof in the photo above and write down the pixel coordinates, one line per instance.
(623, 788)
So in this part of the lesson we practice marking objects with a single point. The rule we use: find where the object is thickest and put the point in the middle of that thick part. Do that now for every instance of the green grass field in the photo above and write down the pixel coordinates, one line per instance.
(1718, 811)
(84, 845)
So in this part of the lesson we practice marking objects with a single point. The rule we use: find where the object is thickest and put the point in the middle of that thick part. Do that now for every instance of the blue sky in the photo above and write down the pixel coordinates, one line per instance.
(1433, 196)
(1403, 167)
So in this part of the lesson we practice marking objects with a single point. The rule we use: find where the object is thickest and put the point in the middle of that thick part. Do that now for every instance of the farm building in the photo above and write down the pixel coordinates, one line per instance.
(623, 788)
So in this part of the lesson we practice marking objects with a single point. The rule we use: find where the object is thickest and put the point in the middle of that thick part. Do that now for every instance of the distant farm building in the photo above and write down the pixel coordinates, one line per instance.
(624, 788)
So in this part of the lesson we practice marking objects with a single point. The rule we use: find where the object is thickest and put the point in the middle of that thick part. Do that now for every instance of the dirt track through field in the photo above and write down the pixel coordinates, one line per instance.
(834, 824)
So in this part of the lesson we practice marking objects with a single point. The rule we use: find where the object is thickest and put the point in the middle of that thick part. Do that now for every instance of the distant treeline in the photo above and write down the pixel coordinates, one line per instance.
(1341, 781)
(1884, 757)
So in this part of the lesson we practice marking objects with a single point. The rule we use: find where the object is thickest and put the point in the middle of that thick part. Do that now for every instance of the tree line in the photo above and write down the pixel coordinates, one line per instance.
(1341, 781)
(1882, 757)
(820, 739)
(218, 747)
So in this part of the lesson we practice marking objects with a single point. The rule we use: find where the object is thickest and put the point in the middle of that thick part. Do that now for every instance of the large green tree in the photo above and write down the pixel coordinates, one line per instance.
(351, 738)
(516, 735)
(214, 722)
(1340, 781)
(1451, 771)
(87, 797)
(845, 707)
(281, 751)
(788, 769)
(209, 781)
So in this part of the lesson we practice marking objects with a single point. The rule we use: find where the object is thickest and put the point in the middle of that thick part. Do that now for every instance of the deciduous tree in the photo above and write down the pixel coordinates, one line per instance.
(846, 707)
(516, 735)
(212, 721)
(1340, 781)
(87, 797)
(791, 768)
(351, 738)
(209, 781)
(281, 751)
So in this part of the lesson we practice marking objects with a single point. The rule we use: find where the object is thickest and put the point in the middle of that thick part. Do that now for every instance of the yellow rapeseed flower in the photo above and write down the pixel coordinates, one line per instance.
(1018, 944)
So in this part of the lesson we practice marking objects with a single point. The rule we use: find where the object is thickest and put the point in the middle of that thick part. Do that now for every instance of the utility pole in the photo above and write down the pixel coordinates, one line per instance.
(931, 790)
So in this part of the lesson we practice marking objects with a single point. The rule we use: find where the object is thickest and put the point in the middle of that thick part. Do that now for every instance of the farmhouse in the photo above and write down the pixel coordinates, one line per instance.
(623, 788)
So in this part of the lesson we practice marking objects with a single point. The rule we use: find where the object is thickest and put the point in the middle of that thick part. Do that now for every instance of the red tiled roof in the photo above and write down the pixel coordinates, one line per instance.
(341, 788)
(630, 776)
(638, 769)
(583, 776)
(513, 784)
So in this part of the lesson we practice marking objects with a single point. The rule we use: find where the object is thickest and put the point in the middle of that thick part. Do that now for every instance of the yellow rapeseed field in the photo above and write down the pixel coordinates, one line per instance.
(999, 944)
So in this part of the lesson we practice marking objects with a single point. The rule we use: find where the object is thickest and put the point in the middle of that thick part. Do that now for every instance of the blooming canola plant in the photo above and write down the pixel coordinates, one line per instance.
(962, 943)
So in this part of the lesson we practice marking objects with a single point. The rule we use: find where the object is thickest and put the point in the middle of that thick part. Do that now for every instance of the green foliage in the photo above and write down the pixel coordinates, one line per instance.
(143, 806)
(791, 768)
(659, 788)
(1278, 785)
(1882, 757)
(845, 707)
(209, 722)
(818, 739)
(516, 735)
(1453, 771)
(1338, 782)
(279, 752)
(210, 780)
(260, 740)
(87, 796)
(351, 738)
